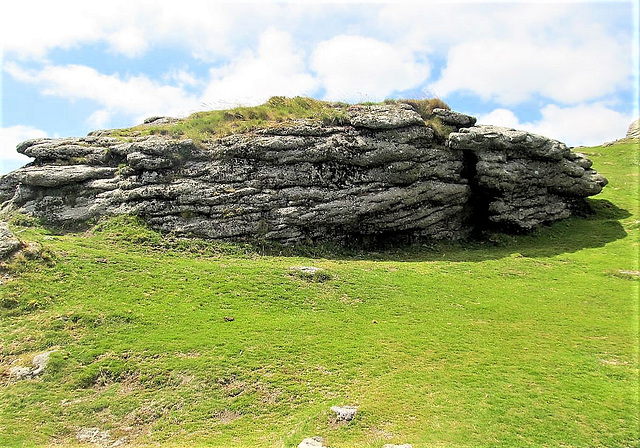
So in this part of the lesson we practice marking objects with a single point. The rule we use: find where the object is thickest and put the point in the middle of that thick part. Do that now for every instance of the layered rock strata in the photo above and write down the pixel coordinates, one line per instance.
(382, 174)
(634, 130)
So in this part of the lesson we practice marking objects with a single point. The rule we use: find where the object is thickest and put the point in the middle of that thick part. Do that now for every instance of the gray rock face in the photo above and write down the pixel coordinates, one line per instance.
(455, 119)
(383, 116)
(521, 180)
(382, 174)
(8, 242)
(634, 129)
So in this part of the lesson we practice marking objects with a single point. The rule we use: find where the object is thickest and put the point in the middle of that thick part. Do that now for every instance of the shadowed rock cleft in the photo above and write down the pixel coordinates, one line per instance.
(382, 175)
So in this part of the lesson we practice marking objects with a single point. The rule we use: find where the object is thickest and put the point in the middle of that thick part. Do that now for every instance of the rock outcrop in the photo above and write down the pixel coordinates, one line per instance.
(634, 130)
(384, 173)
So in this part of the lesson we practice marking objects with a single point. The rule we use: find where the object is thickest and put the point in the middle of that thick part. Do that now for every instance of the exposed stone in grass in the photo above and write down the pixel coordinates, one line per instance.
(310, 273)
(311, 442)
(160, 120)
(344, 413)
(8, 241)
(311, 270)
(39, 365)
(98, 437)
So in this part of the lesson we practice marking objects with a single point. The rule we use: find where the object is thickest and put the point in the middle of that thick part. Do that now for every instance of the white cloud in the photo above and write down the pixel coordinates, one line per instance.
(500, 117)
(32, 28)
(181, 77)
(512, 72)
(581, 125)
(568, 52)
(134, 96)
(437, 25)
(277, 68)
(129, 41)
(10, 137)
(99, 119)
(359, 68)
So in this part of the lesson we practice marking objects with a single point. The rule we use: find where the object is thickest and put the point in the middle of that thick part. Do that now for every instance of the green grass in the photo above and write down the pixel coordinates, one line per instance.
(518, 341)
(205, 126)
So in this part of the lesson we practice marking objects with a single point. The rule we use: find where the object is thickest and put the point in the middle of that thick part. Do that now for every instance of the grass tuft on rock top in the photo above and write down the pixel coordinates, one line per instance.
(528, 340)
(204, 126)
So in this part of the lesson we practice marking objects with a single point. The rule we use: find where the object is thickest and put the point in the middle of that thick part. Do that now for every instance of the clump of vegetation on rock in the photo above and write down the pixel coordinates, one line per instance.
(207, 125)
(203, 126)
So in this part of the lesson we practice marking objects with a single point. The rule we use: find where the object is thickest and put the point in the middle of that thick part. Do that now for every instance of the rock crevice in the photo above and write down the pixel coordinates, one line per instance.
(383, 173)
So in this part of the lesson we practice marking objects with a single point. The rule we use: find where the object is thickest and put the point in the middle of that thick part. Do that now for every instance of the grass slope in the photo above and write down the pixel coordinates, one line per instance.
(519, 341)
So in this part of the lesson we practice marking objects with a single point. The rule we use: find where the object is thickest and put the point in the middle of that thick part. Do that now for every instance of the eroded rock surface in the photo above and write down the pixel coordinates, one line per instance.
(383, 174)
(8, 242)
(521, 180)
(634, 129)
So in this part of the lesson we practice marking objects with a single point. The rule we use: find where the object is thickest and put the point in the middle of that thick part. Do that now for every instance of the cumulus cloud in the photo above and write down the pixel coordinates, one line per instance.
(276, 68)
(133, 96)
(512, 72)
(32, 28)
(9, 139)
(500, 117)
(580, 125)
(360, 68)
(435, 26)
(513, 52)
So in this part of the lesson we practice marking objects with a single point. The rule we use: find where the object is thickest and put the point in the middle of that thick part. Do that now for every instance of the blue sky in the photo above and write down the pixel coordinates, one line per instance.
(568, 70)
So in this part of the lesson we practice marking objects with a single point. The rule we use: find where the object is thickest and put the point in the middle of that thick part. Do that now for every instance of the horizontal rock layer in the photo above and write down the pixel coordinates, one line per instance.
(383, 174)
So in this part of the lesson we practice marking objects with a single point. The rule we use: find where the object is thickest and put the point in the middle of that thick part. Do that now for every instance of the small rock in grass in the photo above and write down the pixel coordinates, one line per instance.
(344, 413)
(93, 435)
(102, 438)
(306, 269)
(311, 273)
(39, 364)
(229, 319)
(311, 442)
(8, 242)
(20, 372)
